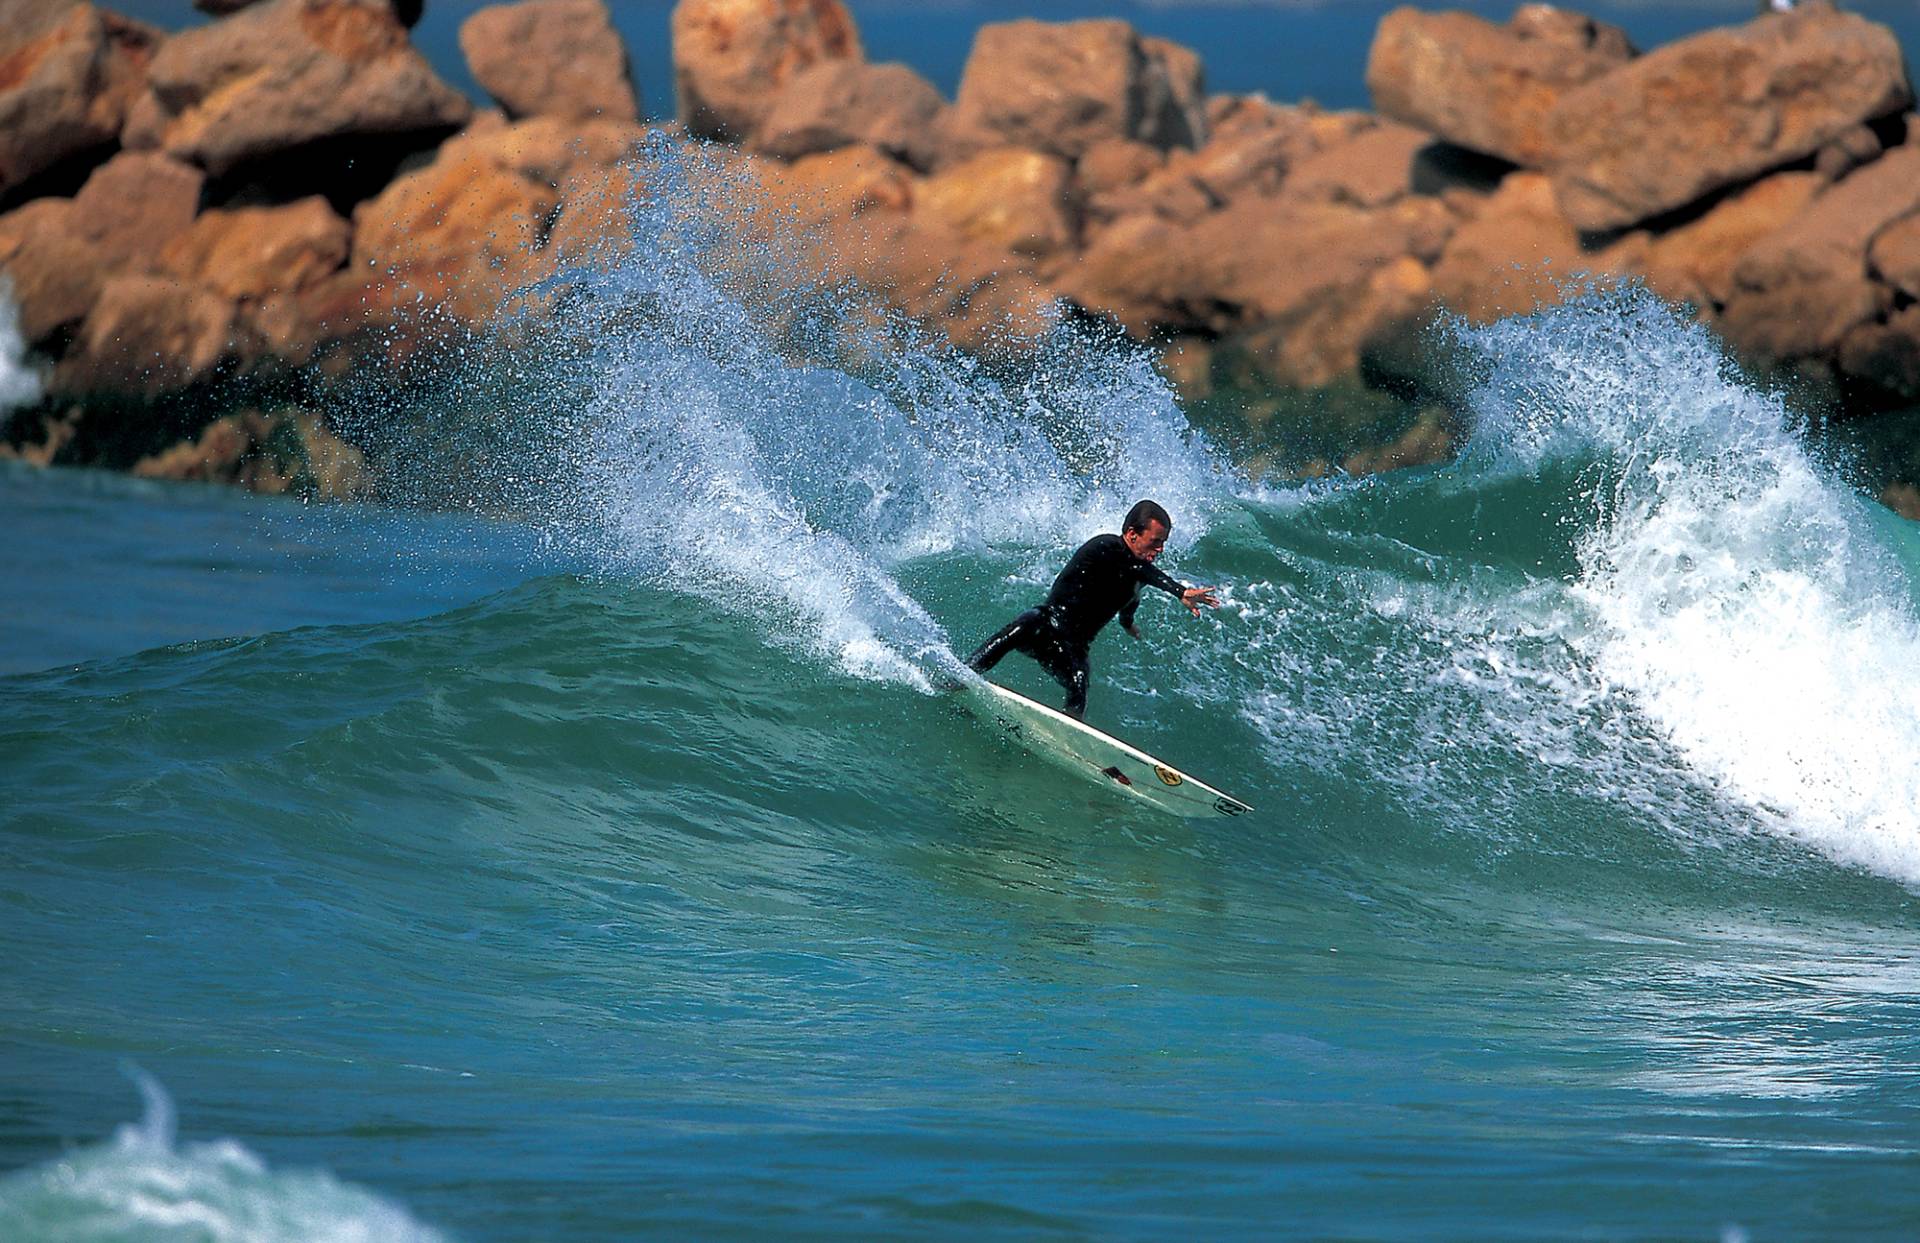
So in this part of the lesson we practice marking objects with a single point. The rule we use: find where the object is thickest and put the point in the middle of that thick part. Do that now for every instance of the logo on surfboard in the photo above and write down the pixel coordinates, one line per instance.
(1167, 775)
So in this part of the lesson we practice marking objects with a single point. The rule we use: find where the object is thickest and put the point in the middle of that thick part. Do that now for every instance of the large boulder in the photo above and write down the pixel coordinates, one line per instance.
(469, 230)
(731, 56)
(1799, 291)
(285, 73)
(1695, 262)
(1516, 255)
(1019, 201)
(249, 254)
(1313, 281)
(1062, 87)
(51, 270)
(58, 252)
(150, 334)
(133, 205)
(68, 74)
(1894, 255)
(1485, 87)
(843, 103)
(1373, 169)
(1717, 109)
(551, 58)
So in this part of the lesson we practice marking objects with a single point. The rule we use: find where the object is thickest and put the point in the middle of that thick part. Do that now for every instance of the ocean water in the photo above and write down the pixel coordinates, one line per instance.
(605, 862)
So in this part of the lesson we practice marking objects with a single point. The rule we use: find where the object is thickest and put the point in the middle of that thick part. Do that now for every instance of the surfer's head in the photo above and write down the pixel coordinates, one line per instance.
(1145, 530)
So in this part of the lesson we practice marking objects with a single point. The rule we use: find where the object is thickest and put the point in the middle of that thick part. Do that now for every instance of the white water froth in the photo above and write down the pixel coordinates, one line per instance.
(742, 463)
(143, 1188)
(1746, 600)
(19, 382)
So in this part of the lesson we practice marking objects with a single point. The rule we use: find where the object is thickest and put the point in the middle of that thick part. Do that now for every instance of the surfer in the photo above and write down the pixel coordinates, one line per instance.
(1101, 580)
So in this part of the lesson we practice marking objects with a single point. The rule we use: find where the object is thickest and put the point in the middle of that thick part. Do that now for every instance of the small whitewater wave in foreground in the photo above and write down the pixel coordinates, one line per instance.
(1745, 599)
(144, 1187)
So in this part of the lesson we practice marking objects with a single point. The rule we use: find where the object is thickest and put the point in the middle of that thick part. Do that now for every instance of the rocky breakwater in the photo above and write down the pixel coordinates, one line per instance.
(314, 202)
(214, 237)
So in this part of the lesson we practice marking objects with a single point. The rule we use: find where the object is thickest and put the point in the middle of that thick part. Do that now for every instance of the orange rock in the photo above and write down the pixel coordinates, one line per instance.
(1799, 291)
(467, 233)
(149, 334)
(731, 56)
(1717, 109)
(52, 270)
(841, 103)
(68, 74)
(460, 235)
(1695, 262)
(1061, 87)
(1894, 254)
(1512, 258)
(249, 253)
(1014, 200)
(133, 205)
(277, 76)
(1486, 87)
(1371, 170)
(551, 58)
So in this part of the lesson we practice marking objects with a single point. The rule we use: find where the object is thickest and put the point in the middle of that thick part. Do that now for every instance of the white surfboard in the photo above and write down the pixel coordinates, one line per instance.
(1102, 758)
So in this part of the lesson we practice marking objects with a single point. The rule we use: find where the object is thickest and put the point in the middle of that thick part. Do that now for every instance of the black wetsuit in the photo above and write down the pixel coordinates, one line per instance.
(1101, 580)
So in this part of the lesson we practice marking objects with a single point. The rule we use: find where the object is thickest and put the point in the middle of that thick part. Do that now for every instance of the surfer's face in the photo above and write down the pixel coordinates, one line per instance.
(1146, 544)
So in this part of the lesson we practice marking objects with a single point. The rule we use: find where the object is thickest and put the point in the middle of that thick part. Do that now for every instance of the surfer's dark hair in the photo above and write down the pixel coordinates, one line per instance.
(1140, 515)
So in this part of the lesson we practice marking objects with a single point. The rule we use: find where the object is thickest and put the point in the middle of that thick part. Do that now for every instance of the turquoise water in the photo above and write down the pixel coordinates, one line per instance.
(612, 869)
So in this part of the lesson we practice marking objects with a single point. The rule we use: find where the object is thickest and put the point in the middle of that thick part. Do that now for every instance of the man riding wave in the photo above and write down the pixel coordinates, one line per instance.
(1101, 580)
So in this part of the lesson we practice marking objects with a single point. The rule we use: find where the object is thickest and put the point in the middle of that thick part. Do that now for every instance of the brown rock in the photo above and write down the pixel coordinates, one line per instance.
(1547, 23)
(1894, 255)
(1061, 87)
(467, 232)
(1014, 200)
(1109, 171)
(1695, 262)
(52, 270)
(841, 103)
(1857, 146)
(730, 56)
(1800, 290)
(149, 334)
(249, 253)
(133, 205)
(288, 72)
(839, 185)
(1313, 282)
(68, 73)
(1372, 170)
(1717, 109)
(1485, 87)
(551, 58)
(1513, 257)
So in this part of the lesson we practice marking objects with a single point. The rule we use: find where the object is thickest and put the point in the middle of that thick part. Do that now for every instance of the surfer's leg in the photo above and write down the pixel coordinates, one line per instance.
(1013, 636)
(1076, 684)
(1067, 665)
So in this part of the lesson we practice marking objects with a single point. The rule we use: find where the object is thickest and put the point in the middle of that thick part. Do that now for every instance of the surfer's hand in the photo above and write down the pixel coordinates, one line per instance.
(1194, 597)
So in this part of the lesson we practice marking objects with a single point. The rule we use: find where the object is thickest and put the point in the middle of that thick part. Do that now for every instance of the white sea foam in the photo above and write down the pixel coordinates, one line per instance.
(144, 1188)
(1746, 600)
(19, 382)
(754, 470)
